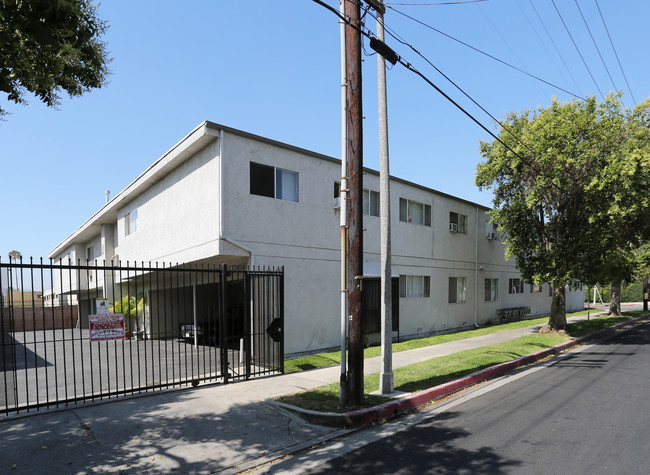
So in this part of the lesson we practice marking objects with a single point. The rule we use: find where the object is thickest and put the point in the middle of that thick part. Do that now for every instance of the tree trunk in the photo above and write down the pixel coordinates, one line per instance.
(558, 310)
(615, 303)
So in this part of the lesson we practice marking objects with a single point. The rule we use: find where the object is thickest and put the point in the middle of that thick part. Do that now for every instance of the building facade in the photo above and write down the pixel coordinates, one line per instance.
(222, 195)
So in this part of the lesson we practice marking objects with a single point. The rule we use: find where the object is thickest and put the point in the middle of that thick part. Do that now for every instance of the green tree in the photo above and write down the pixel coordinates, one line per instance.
(622, 209)
(47, 46)
(546, 173)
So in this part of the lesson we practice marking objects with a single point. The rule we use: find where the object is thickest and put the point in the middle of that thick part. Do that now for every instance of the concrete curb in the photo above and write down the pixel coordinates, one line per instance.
(388, 410)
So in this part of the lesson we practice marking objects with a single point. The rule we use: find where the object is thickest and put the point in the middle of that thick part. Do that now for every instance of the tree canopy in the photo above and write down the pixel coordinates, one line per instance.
(565, 179)
(49, 46)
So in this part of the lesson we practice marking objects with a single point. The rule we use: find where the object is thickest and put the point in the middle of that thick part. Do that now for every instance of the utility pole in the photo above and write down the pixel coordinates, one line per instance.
(354, 271)
(344, 215)
(386, 383)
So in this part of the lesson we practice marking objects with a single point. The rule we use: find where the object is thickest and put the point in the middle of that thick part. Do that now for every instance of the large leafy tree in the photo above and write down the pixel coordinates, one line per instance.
(546, 170)
(49, 46)
(623, 217)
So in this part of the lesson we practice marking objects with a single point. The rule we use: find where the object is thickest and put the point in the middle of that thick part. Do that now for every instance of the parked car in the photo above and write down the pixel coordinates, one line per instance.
(188, 332)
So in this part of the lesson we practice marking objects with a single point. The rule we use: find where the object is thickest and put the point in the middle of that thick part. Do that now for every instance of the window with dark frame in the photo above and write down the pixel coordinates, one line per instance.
(457, 289)
(457, 222)
(414, 212)
(515, 286)
(414, 286)
(491, 289)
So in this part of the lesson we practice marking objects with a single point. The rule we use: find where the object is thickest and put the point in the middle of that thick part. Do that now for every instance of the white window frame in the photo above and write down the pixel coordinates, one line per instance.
(370, 199)
(293, 192)
(131, 222)
(370, 202)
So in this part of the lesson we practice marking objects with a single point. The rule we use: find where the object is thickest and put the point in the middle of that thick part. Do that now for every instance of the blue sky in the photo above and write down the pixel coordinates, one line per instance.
(272, 68)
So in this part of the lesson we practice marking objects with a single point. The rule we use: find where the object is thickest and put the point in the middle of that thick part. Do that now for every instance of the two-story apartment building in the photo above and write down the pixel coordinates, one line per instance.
(224, 195)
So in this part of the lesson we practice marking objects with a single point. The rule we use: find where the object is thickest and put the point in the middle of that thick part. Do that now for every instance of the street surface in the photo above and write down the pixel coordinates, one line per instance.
(586, 413)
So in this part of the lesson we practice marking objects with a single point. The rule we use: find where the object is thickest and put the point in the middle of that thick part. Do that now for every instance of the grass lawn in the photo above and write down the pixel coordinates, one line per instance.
(333, 358)
(440, 370)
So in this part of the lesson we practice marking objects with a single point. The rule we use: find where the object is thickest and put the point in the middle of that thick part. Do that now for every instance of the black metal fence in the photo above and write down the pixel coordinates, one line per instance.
(176, 326)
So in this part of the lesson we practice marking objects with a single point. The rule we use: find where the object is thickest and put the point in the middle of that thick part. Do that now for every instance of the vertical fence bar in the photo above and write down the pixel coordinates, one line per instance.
(281, 277)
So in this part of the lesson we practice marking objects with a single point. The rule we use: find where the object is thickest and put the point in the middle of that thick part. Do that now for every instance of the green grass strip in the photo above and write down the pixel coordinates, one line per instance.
(435, 371)
(333, 358)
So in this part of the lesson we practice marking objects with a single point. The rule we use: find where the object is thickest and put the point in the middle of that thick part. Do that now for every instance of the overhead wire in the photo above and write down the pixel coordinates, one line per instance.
(408, 66)
(541, 42)
(401, 40)
(596, 45)
(615, 53)
(578, 49)
(555, 46)
(431, 4)
(506, 42)
(486, 54)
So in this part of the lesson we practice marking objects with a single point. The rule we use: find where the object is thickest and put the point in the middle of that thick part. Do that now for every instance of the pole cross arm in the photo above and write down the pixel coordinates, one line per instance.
(377, 5)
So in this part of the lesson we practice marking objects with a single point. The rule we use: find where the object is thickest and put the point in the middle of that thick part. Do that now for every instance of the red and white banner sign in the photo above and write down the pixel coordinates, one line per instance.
(106, 327)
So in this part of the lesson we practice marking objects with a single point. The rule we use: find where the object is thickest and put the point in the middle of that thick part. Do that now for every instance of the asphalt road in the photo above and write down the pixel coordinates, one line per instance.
(587, 413)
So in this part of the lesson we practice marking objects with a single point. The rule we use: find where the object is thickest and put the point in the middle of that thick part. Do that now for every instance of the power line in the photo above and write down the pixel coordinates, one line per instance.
(426, 79)
(507, 43)
(596, 45)
(430, 4)
(401, 40)
(550, 37)
(615, 53)
(541, 42)
(577, 49)
(487, 54)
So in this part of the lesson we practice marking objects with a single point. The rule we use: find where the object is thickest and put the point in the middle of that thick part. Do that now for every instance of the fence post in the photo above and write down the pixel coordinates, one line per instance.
(223, 320)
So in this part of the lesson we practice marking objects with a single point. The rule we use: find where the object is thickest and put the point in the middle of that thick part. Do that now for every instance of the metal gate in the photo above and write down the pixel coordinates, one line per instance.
(183, 325)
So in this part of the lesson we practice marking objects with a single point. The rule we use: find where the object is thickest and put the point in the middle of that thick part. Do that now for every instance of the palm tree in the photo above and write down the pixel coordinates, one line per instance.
(15, 256)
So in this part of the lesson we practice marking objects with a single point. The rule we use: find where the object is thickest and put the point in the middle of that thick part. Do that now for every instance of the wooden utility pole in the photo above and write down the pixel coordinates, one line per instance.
(354, 271)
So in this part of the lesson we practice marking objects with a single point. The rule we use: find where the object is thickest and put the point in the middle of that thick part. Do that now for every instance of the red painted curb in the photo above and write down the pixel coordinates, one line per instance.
(391, 409)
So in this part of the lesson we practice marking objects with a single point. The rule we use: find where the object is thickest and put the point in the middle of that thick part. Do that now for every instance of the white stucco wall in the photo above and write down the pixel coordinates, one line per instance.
(304, 237)
(179, 221)
(177, 217)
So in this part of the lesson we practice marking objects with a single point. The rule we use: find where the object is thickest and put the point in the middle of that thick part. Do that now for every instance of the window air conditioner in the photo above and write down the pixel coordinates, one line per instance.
(491, 235)
(337, 203)
(453, 227)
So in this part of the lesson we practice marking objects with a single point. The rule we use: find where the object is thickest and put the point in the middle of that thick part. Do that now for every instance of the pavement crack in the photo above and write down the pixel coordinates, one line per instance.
(88, 430)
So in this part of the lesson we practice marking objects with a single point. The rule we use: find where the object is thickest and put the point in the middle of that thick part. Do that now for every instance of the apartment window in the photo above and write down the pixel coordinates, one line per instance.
(457, 289)
(414, 212)
(414, 286)
(535, 288)
(457, 223)
(550, 290)
(515, 286)
(491, 289)
(130, 222)
(273, 182)
(91, 253)
(371, 202)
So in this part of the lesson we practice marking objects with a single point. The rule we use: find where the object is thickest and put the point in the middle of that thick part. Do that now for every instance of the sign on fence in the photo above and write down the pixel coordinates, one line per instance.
(106, 327)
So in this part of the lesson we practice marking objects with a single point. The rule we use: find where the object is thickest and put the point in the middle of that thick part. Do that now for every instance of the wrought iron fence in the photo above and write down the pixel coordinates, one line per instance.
(167, 326)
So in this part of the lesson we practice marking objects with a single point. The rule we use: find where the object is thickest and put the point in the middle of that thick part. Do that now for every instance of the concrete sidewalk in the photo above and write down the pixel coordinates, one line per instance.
(219, 428)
